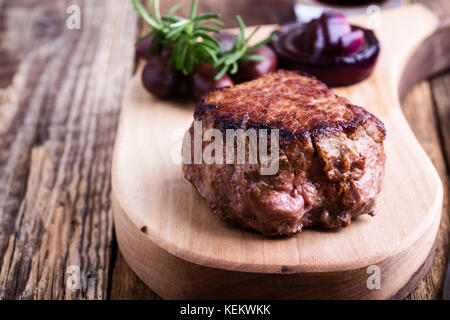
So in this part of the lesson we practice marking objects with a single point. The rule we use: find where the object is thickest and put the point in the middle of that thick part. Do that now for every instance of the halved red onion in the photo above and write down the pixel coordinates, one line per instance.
(333, 68)
(335, 26)
(351, 42)
(313, 39)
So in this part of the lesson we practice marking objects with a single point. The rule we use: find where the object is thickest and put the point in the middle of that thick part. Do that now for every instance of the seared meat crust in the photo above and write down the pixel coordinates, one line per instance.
(331, 160)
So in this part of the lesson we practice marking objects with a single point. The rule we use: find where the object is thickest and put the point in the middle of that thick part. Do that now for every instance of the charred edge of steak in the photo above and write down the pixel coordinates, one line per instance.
(321, 128)
(298, 105)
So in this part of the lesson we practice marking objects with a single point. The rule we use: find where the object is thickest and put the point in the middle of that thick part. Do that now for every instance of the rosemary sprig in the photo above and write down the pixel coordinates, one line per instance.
(191, 40)
(228, 61)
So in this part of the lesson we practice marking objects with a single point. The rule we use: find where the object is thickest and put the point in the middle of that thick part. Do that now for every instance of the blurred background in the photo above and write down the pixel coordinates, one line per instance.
(253, 12)
(273, 11)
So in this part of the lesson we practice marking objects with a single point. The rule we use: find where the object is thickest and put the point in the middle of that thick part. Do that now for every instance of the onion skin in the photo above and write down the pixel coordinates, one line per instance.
(313, 39)
(352, 42)
(250, 70)
(334, 70)
(334, 27)
(202, 80)
(159, 78)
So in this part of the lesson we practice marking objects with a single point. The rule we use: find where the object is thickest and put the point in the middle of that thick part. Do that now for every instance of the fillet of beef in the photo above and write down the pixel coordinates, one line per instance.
(331, 156)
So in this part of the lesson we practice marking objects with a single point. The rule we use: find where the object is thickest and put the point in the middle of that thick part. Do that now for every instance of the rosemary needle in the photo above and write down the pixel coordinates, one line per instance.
(192, 42)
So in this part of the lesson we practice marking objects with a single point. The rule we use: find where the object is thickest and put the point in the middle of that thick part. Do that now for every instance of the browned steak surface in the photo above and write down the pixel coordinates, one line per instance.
(331, 159)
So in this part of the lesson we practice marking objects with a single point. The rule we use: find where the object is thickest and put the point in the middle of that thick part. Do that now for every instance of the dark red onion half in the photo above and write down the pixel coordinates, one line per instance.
(334, 70)
(351, 42)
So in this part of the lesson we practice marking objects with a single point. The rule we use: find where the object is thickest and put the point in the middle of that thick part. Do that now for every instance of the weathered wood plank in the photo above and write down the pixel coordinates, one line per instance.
(428, 110)
(420, 113)
(440, 86)
(60, 94)
(126, 285)
(441, 96)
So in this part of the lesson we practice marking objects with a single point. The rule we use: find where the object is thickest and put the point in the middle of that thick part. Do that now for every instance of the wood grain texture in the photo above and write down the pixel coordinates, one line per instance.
(126, 284)
(427, 107)
(60, 93)
(154, 195)
(440, 86)
(420, 112)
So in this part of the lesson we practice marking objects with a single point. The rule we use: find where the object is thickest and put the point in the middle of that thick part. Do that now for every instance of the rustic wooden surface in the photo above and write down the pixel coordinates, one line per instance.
(60, 94)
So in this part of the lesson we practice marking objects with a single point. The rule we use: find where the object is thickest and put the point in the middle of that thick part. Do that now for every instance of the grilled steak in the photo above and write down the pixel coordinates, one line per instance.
(331, 156)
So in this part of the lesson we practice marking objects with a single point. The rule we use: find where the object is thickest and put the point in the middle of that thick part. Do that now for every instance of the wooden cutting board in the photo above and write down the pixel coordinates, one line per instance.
(173, 242)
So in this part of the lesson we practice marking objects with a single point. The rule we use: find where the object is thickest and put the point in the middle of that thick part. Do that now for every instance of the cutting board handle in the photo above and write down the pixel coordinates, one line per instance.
(415, 43)
(430, 55)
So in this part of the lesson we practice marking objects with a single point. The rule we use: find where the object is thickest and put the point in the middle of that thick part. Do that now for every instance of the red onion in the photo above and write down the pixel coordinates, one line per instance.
(351, 42)
(327, 48)
(334, 26)
(313, 39)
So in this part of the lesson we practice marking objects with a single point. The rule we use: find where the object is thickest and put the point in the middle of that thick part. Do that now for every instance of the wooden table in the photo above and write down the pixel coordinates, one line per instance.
(60, 96)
